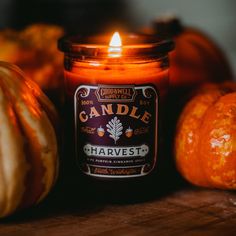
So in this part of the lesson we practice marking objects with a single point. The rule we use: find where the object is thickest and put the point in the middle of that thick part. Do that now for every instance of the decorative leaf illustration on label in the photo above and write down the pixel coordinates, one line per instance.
(114, 127)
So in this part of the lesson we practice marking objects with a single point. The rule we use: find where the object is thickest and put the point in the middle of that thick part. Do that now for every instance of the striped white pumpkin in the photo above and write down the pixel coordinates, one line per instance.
(28, 143)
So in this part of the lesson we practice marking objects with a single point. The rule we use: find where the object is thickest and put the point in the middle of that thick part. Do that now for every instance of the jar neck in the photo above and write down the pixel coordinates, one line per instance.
(134, 46)
(112, 63)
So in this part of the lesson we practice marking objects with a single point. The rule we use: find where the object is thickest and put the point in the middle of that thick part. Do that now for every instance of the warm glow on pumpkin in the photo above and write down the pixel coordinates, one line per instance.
(205, 137)
(28, 172)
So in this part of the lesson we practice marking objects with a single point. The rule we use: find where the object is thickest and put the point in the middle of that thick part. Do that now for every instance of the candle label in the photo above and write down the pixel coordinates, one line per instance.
(116, 129)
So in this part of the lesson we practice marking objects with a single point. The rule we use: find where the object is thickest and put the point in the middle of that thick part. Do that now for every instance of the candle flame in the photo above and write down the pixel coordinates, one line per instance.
(115, 45)
(115, 40)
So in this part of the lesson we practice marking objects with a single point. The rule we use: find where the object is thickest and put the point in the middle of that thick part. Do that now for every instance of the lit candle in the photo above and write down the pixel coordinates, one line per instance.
(115, 88)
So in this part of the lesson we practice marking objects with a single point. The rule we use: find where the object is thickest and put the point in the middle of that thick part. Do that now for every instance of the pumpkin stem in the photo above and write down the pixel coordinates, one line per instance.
(168, 26)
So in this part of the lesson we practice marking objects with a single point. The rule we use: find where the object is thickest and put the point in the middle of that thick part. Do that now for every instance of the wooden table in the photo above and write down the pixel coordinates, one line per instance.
(184, 211)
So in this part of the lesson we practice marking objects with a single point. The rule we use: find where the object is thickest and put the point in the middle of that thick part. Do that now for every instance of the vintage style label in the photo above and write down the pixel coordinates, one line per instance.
(116, 129)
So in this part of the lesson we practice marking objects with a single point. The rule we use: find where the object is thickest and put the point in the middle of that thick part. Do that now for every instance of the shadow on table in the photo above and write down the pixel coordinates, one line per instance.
(86, 198)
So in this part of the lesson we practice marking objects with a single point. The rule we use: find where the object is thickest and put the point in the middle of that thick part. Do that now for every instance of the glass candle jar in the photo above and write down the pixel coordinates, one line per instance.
(114, 93)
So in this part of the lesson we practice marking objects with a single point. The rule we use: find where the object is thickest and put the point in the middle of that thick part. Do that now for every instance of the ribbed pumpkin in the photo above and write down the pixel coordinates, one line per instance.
(196, 58)
(28, 143)
(205, 142)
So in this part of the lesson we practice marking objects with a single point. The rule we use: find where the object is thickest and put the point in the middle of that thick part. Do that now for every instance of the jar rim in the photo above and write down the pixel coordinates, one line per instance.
(134, 45)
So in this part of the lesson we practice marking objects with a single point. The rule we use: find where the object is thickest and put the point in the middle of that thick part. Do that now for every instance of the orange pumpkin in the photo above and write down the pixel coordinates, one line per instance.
(29, 154)
(34, 50)
(196, 58)
(205, 141)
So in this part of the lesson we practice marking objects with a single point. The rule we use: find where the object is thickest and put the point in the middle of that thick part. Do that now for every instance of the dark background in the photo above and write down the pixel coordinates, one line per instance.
(216, 17)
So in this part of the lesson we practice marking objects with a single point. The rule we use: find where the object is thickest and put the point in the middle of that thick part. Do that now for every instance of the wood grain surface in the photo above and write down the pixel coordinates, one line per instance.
(184, 211)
